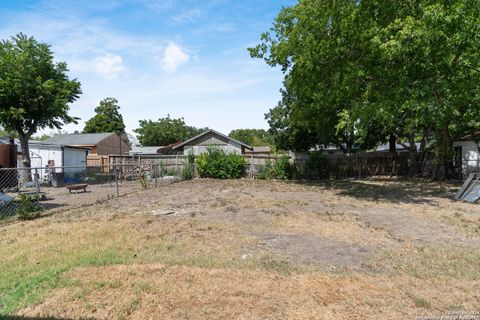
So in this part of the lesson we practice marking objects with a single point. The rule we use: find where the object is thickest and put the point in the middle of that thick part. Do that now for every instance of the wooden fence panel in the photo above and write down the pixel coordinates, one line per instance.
(337, 166)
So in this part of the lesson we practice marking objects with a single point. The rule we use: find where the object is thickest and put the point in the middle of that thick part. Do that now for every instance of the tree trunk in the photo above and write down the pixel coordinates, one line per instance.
(422, 154)
(26, 155)
(412, 149)
(444, 164)
(392, 147)
(448, 153)
(349, 145)
(392, 144)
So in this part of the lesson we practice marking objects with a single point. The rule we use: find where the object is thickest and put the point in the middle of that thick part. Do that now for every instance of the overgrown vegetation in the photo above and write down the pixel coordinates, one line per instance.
(317, 165)
(142, 179)
(218, 164)
(28, 210)
(280, 169)
(189, 167)
(163, 170)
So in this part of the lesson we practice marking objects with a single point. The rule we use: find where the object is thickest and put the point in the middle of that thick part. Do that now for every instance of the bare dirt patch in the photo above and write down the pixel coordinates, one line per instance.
(316, 250)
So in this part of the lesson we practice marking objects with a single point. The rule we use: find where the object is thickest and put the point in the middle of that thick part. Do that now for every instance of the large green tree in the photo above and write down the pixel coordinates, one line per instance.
(431, 48)
(35, 91)
(369, 71)
(253, 137)
(314, 43)
(106, 119)
(165, 131)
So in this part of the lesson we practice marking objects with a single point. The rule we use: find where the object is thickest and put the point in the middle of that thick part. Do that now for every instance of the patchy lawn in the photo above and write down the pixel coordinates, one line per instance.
(249, 249)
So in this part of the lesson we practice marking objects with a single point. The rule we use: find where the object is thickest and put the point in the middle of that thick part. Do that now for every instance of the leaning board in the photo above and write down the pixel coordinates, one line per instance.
(470, 190)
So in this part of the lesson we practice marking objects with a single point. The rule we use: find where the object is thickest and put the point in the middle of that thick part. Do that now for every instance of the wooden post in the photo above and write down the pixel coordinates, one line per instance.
(176, 164)
(251, 166)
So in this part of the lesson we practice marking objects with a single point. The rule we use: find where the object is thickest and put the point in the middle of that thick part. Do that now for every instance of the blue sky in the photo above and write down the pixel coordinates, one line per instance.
(183, 58)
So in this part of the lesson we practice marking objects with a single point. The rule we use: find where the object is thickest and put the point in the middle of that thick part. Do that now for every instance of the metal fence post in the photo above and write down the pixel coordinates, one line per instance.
(37, 182)
(116, 182)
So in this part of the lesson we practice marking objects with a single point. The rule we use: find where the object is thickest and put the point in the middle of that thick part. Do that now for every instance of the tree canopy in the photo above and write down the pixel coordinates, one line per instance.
(165, 131)
(252, 137)
(364, 72)
(106, 119)
(35, 92)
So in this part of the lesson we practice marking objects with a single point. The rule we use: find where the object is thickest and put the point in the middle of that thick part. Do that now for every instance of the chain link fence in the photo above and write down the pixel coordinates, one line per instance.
(25, 190)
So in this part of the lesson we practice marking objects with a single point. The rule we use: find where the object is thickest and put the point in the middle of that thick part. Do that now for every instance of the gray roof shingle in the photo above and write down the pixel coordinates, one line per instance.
(215, 132)
(78, 139)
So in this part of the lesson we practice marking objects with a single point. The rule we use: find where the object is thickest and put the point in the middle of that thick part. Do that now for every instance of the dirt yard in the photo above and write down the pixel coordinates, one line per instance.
(249, 249)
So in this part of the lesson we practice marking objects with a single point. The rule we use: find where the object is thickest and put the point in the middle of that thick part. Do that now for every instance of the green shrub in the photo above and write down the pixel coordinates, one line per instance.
(189, 167)
(218, 164)
(27, 210)
(187, 172)
(163, 170)
(266, 171)
(142, 178)
(281, 169)
(317, 164)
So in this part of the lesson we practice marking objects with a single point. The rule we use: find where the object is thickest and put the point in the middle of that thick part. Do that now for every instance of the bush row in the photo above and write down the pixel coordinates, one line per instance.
(218, 164)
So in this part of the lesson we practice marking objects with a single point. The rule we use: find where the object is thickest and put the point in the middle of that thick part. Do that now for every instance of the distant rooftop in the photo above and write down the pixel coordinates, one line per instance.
(262, 149)
(145, 150)
(398, 147)
(32, 143)
(180, 145)
(78, 139)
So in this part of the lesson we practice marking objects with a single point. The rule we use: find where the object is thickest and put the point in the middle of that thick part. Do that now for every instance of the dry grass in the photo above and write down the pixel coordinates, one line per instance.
(238, 249)
(158, 291)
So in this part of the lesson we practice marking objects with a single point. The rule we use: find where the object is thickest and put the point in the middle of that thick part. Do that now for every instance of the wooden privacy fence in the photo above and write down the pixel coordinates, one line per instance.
(366, 164)
(334, 166)
(176, 163)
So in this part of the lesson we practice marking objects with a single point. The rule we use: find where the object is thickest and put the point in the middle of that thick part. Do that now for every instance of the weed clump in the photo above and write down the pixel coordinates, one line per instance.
(218, 164)
(27, 209)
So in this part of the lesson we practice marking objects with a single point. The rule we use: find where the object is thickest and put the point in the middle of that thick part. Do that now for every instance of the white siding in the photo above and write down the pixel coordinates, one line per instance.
(40, 156)
(470, 155)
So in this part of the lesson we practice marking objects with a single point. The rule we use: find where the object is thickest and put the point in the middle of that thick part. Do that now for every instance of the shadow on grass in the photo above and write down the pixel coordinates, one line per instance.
(395, 190)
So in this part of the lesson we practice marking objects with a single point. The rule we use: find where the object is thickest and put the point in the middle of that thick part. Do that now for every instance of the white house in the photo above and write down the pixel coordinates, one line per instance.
(43, 155)
(468, 152)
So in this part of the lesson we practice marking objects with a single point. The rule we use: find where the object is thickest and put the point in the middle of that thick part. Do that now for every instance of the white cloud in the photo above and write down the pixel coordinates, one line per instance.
(237, 89)
(187, 16)
(173, 57)
(109, 65)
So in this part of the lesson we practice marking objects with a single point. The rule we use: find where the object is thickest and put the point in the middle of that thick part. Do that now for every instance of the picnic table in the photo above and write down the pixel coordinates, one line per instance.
(76, 187)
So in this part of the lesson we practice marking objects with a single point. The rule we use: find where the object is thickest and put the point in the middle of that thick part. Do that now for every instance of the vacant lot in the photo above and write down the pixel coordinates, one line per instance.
(248, 249)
